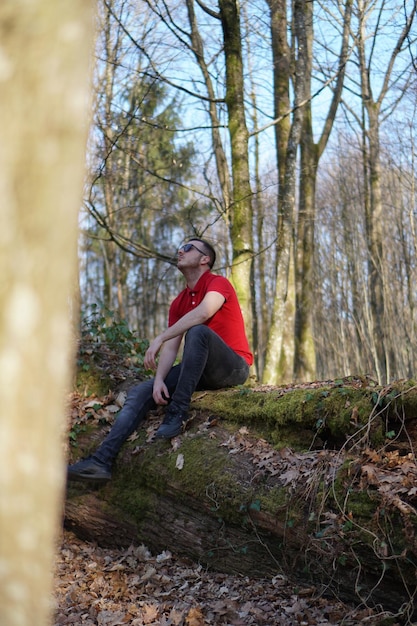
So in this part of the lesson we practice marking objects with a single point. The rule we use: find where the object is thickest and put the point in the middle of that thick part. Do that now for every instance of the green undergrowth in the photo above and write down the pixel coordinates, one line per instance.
(109, 352)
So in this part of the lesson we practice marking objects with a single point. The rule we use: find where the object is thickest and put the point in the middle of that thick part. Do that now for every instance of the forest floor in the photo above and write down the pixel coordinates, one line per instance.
(106, 587)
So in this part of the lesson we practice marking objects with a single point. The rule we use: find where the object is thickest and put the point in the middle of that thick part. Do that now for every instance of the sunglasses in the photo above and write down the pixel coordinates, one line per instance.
(189, 246)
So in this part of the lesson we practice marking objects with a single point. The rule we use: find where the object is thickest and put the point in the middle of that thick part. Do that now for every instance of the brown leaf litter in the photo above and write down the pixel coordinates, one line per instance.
(104, 587)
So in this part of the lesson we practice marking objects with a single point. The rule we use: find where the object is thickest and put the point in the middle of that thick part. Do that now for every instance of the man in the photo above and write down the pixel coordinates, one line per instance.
(216, 354)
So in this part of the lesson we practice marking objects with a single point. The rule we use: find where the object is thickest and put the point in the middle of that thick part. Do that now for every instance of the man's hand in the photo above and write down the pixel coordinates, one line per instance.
(152, 352)
(160, 392)
(169, 352)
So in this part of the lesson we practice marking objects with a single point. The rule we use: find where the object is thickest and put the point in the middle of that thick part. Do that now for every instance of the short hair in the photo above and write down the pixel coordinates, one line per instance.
(208, 248)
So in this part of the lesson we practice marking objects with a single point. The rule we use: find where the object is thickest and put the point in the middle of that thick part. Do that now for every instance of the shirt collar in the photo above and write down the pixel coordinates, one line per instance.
(200, 283)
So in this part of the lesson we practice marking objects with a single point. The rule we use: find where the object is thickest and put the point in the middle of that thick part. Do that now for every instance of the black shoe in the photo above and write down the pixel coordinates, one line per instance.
(89, 469)
(173, 425)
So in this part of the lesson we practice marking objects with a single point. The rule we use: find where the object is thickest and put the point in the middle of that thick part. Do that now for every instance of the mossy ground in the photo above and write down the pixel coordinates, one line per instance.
(92, 381)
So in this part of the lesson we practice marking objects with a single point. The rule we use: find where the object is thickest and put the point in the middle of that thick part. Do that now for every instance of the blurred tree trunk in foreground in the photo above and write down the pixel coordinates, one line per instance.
(44, 67)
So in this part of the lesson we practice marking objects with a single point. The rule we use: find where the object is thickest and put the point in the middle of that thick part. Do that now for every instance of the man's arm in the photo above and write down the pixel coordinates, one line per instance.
(211, 303)
(166, 360)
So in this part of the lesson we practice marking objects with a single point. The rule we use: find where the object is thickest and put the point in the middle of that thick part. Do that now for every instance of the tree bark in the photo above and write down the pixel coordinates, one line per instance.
(44, 75)
(224, 497)
(279, 360)
(241, 214)
(311, 152)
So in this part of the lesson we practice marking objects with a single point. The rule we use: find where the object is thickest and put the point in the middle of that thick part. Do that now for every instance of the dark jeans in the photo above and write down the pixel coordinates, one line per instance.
(207, 363)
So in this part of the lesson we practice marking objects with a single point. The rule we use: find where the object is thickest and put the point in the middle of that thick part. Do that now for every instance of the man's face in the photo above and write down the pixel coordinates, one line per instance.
(190, 255)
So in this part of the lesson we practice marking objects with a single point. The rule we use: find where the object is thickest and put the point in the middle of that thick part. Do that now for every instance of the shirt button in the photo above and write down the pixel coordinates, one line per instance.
(193, 302)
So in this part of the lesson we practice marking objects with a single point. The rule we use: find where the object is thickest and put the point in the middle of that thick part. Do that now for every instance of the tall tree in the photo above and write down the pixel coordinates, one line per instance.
(242, 214)
(279, 361)
(291, 350)
(311, 152)
(44, 75)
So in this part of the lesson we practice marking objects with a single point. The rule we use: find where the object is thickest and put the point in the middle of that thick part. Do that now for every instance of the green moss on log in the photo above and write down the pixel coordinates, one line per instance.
(206, 477)
(299, 418)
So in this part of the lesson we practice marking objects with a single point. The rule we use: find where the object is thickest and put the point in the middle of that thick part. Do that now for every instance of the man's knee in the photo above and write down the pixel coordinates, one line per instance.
(201, 331)
(140, 391)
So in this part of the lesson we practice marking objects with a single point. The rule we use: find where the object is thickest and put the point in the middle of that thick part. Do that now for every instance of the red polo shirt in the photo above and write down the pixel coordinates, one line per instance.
(227, 322)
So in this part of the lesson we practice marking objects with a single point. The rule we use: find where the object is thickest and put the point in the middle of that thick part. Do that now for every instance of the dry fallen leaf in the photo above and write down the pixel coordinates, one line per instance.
(110, 618)
(195, 617)
(149, 613)
(354, 418)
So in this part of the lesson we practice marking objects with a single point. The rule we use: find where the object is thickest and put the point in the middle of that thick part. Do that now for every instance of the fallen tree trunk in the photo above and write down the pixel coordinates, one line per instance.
(343, 519)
